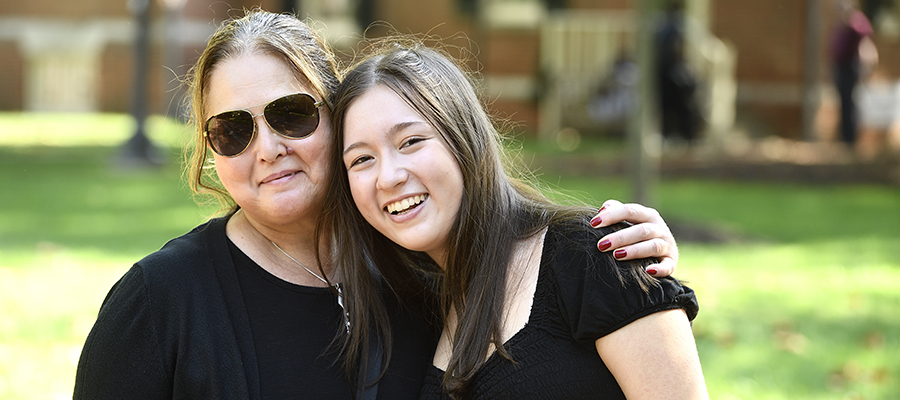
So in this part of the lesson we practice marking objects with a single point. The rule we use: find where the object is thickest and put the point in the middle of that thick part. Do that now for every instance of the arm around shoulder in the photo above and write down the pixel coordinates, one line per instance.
(655, 357)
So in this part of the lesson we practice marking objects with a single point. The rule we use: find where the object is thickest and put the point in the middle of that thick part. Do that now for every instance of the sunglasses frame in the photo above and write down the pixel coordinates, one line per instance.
(316, 105)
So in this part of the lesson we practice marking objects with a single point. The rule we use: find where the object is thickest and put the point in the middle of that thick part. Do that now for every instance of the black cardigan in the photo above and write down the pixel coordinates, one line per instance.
(174, 326)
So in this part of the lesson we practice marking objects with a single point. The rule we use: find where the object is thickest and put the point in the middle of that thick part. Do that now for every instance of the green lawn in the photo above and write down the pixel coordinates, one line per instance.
(805, 305)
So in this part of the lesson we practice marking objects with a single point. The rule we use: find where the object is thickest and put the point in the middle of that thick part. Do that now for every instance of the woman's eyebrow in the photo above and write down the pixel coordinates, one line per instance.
(394, 129)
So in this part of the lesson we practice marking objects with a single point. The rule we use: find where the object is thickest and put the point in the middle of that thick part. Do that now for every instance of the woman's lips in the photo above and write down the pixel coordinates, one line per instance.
(279, 175)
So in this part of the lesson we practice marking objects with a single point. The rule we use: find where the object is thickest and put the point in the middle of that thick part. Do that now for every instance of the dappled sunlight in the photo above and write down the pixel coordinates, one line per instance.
(780, 316)
(80, 129)
(49, 300)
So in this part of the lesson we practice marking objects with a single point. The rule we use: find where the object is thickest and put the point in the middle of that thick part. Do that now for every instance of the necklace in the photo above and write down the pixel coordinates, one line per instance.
(299, 263)
(336, 286)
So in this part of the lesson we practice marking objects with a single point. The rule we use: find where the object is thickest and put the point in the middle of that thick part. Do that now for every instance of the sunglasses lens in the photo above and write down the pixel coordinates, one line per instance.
(294, 116)
(230, 132)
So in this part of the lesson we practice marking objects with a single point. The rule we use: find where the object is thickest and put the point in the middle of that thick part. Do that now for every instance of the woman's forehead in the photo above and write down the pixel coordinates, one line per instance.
(249, 80)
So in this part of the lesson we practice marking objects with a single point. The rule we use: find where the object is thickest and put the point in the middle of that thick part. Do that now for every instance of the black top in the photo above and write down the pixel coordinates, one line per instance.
(578, 300)
(288, 344)
(188, 322)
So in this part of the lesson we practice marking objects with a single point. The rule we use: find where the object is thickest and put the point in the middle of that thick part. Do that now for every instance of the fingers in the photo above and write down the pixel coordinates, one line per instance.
(642, 233)
(649, 237)
(640, 241)
(651, 248)
(614, 212)
(664, 268)
(666, 263)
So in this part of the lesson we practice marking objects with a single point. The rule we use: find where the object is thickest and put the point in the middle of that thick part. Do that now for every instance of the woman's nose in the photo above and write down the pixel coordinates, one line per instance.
(270, 145)
(391, 173)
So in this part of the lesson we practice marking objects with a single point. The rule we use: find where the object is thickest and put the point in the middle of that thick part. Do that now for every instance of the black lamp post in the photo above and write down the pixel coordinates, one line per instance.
(139, 150)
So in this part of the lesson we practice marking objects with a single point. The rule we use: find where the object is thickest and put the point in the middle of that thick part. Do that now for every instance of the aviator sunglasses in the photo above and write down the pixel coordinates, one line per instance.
(294, 116)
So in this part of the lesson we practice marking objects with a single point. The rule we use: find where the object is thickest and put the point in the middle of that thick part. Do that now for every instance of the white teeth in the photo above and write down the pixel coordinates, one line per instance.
(405, 204)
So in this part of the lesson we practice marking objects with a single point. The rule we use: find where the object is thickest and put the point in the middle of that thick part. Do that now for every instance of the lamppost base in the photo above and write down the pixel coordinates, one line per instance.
(139, 151)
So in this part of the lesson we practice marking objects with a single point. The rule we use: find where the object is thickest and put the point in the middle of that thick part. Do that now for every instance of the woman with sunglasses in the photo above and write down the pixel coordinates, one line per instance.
(531, 309)
(247, 305)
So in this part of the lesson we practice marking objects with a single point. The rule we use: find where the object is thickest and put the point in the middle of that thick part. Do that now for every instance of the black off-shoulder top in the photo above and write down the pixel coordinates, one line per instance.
(579, 299)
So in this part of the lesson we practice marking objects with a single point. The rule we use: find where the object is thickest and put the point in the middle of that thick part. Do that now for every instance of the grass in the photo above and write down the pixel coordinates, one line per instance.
(71, 223)
(805, 306)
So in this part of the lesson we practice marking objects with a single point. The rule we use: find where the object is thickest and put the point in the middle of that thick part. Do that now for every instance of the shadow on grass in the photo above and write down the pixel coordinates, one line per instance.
(711, 211)
(78, 197)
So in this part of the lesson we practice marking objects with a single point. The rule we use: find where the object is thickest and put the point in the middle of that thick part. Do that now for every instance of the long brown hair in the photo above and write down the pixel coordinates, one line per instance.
(498, 209)
(280, 35)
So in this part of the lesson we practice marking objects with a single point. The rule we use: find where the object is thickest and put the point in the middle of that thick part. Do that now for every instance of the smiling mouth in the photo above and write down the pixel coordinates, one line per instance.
(282, 177)
(405, 205)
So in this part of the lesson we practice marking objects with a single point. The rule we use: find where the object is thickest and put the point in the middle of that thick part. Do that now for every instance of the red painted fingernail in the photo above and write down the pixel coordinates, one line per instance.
(620, 253)
(604, 244)
(651, 271)
(601, 208)
(596, 221)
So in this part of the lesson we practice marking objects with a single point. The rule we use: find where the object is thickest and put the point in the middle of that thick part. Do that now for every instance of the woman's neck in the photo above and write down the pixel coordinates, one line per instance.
(282, 250)
(521, 283)
(440, 257)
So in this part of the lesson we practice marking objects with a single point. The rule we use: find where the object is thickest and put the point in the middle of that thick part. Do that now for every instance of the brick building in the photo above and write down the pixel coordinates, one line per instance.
(78, 56)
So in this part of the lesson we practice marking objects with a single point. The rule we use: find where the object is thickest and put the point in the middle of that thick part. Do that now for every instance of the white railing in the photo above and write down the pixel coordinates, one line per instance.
(579, 48)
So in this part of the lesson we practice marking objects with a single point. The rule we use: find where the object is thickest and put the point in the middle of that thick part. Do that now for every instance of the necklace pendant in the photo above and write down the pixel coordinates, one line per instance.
(336, 286)
(340, 301)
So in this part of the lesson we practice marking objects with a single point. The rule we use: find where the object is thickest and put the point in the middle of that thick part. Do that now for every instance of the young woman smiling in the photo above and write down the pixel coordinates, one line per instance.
(530, 308)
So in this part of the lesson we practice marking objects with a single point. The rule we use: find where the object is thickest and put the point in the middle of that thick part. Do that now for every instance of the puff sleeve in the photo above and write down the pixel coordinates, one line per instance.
(597, 296)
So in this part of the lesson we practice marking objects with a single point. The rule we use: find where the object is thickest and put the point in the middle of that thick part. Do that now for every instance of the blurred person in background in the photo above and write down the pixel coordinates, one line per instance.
(676, 83)
(853, 57)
